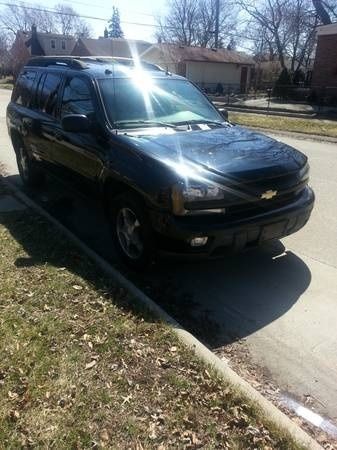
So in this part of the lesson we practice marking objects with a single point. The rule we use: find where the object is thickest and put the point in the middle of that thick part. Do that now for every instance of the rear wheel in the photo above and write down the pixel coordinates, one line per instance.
(132, 231)
(30, 174)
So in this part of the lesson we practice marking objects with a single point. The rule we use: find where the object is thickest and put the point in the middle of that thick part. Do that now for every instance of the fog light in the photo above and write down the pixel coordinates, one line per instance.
(198, 241)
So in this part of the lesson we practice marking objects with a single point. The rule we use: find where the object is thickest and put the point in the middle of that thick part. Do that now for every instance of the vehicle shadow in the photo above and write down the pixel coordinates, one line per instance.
(225, 300)
(219, 301)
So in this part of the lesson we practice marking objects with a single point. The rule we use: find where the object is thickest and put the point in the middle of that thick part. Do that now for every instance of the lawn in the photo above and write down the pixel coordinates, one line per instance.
(306, 126)
(83, 367)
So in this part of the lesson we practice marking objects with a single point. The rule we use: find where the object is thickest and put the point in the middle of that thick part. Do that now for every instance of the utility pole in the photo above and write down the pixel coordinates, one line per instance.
(216, 32)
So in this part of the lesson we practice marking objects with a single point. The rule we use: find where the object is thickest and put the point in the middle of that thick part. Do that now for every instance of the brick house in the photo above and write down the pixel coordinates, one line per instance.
(325, 66)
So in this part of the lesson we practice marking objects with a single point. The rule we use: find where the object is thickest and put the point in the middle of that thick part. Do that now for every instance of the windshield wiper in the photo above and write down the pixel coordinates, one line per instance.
(199, 121)
(145, 122)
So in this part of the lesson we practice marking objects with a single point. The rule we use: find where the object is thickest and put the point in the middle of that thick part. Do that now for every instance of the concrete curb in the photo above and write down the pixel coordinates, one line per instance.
(265, 112)
(268, 410)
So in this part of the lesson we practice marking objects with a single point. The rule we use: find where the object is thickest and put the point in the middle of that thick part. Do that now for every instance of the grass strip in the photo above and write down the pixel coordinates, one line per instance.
(291, 124)
(82, 366)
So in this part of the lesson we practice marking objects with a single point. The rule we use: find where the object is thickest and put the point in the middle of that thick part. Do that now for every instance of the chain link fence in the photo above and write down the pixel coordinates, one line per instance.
(295, 98)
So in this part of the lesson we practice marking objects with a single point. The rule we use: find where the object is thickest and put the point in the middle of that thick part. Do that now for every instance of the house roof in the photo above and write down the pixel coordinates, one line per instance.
(44, 39)
(325, 30)
(181, 53)
(112, 47)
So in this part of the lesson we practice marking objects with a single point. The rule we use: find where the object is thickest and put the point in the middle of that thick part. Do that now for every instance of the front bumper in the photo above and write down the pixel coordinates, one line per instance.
(229, 233)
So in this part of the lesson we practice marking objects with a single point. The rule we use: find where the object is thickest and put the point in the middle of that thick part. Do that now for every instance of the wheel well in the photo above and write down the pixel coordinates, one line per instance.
(113, 188)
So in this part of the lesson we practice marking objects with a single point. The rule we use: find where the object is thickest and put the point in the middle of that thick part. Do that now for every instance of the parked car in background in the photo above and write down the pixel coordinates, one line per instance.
(173, 174)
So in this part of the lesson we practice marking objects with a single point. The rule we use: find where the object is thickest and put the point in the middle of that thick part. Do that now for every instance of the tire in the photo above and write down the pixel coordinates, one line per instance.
(131, 231)
(30, 174)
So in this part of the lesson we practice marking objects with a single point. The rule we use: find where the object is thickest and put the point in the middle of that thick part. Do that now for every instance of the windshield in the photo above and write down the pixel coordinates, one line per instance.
(141, 101)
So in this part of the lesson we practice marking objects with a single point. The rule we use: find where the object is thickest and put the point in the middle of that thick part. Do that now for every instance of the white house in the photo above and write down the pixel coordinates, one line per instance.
(205, 66)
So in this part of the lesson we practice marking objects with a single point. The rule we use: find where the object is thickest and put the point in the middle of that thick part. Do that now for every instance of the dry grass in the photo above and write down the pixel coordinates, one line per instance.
(83, 367)
(307, 126)
(6, 83)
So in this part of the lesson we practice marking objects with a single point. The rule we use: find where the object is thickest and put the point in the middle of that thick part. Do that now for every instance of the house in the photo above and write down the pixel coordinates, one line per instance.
(325, 66)
(33, 43)
(212, 69)
(109, 47)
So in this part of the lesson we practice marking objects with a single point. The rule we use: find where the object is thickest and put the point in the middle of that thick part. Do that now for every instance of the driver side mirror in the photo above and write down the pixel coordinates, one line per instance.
(223, 112)
(76, 123)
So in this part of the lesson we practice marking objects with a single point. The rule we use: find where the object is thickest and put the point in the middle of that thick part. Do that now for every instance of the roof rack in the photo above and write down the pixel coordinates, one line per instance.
(46, 61)
(81, 62)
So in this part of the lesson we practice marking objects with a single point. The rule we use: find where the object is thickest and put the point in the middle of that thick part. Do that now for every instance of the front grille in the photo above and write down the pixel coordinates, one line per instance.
(259, 206)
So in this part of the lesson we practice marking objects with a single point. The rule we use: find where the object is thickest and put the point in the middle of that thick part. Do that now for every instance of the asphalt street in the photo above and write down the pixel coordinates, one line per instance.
(280, 300)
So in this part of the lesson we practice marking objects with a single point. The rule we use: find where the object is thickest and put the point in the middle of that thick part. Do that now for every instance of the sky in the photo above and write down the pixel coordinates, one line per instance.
(140, 11)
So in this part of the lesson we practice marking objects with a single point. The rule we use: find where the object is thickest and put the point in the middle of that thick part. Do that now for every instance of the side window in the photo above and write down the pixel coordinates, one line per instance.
(77, 98)
(52, 44)
(48, 93)
(22, 93)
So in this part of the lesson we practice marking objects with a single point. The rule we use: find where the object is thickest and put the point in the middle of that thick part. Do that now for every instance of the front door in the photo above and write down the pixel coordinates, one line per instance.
(243, 80)
(78, 157)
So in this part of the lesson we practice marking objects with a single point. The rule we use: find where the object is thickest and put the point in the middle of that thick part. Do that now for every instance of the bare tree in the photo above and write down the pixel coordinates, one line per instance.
(192, 22)
(18, 17)
(206, 17)
(179, 24)
(287, 27)
(326, 10)
(65, 20)
(68, 22)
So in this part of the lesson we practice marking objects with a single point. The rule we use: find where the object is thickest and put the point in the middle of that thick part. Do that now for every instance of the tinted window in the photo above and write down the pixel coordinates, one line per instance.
(23, 89)
(48, 92)
(77, 98)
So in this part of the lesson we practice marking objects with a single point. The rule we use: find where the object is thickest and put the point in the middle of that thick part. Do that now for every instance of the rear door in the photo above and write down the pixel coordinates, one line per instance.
(79, 156)
(19, 110)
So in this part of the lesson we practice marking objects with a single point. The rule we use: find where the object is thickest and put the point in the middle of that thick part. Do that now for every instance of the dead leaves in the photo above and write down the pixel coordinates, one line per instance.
(77, 287)
(91, 364)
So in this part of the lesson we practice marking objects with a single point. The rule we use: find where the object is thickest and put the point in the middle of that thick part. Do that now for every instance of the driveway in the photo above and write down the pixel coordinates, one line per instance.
(278, 302)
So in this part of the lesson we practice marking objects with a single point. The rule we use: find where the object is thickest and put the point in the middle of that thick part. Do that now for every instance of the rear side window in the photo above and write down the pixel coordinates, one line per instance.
(77, 98)
(23, 91)
(47, 94)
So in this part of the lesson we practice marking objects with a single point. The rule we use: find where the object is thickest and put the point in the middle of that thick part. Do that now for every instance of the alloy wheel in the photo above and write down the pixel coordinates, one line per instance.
(128, 233)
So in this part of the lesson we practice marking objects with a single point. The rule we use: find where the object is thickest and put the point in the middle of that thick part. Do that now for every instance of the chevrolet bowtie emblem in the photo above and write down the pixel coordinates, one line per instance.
(268, 195)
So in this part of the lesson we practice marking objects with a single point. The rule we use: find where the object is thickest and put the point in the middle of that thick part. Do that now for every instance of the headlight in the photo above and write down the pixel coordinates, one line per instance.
(198, 193)
(185, 198)
(304, 173)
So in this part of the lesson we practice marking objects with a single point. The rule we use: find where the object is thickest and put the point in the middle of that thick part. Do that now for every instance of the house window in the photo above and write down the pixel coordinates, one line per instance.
(53, 43)
(63, 45)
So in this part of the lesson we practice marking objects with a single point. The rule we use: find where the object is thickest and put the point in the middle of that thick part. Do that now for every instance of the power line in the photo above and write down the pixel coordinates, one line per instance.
(96, 6)
(84, 16)
(54, 11)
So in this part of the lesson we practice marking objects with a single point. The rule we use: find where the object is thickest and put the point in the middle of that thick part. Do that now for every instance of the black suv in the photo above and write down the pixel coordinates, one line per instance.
(173, 174)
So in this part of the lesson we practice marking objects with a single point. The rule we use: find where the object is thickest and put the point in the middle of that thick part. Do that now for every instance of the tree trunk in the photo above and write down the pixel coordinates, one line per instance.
(321, 12)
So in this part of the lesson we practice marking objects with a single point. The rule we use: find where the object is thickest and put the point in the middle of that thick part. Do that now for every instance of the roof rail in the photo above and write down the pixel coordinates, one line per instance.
(81, 62)
(120, 60)
(46, 61)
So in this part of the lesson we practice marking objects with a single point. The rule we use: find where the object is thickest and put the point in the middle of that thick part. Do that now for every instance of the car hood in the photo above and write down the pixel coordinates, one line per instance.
(230, 151)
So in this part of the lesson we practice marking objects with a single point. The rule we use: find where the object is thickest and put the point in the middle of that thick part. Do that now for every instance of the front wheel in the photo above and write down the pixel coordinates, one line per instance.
(132, 231)
(30, 174)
